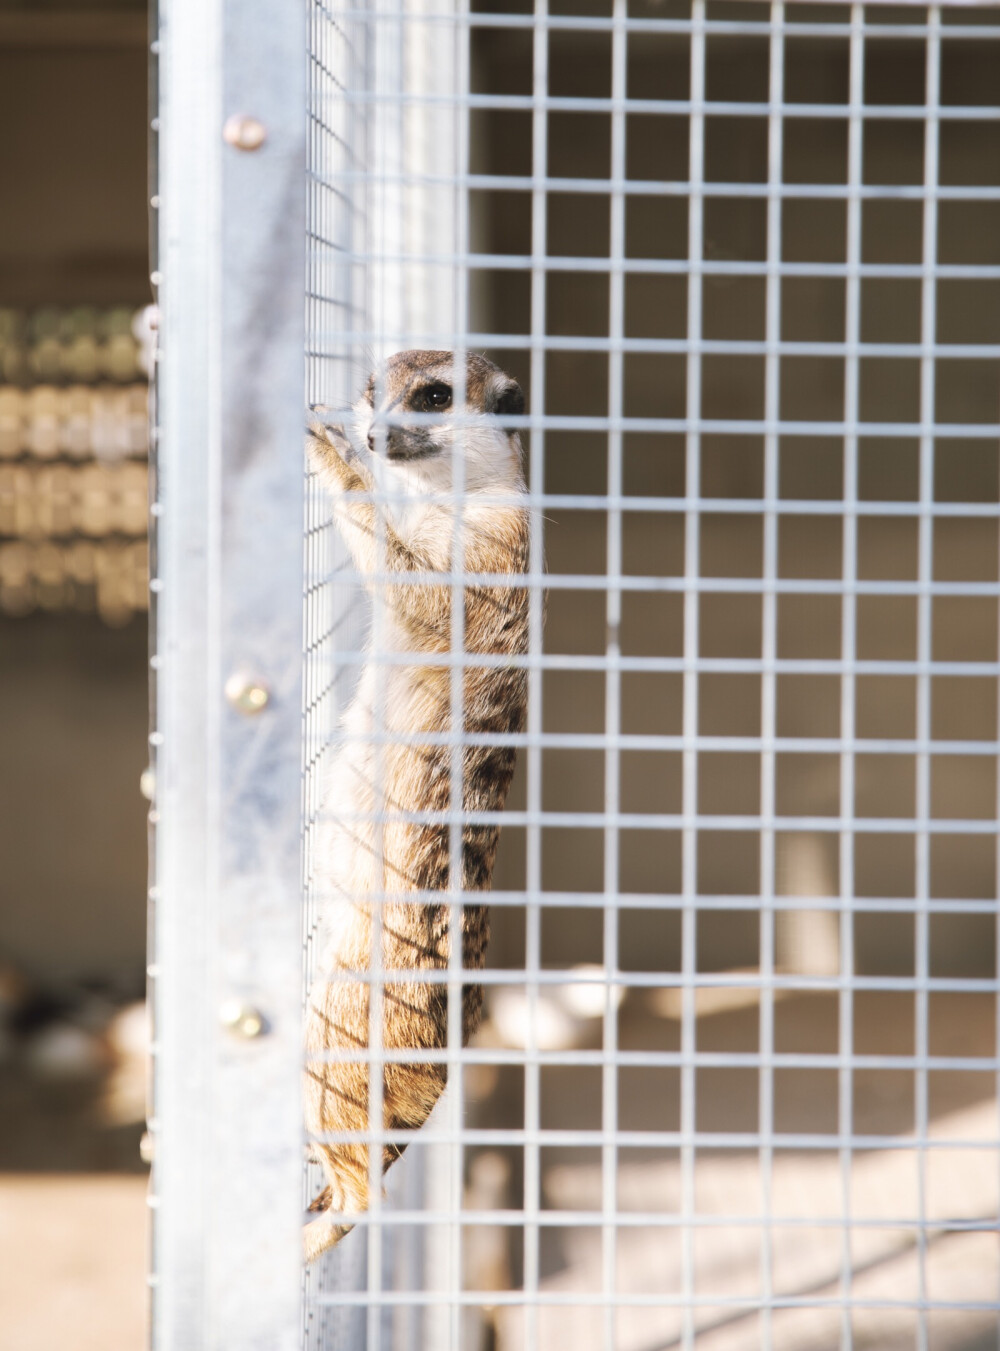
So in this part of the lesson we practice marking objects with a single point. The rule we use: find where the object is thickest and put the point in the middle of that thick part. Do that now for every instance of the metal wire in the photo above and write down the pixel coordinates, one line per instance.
(337, 220)
(688, 1119)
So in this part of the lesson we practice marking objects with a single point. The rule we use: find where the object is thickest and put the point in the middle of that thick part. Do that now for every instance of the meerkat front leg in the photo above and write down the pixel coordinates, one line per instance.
(331, 451)
(374, 544)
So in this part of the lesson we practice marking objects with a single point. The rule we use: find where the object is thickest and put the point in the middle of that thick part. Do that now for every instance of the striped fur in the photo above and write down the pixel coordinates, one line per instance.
(368, 852)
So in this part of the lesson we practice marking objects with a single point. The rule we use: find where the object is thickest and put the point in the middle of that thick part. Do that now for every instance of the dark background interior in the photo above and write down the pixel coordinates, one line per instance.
(810, 467)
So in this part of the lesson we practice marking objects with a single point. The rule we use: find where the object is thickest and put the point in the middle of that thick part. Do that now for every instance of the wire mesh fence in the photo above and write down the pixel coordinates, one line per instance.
(735, 1082)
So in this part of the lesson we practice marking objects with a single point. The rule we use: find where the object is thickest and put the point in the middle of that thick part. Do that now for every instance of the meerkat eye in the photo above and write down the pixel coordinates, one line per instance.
(433, 398)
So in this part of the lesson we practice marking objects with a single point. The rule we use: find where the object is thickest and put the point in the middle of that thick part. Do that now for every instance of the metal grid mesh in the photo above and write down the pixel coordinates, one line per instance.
(737, 1080)
(336, 220)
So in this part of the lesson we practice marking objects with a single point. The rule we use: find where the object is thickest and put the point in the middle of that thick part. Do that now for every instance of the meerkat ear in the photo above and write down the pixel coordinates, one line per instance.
(508, 400)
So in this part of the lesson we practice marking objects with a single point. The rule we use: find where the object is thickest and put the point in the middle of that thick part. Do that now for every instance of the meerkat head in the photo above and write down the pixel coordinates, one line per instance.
(420, 455)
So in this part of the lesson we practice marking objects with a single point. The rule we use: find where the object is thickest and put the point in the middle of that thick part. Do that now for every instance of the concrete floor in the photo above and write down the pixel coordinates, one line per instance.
(811, 1192)
(72, 1262)
(73, 1214)
(806, 1260)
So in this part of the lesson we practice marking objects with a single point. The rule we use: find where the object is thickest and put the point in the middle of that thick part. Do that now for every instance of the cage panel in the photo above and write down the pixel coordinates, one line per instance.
(735, 1080)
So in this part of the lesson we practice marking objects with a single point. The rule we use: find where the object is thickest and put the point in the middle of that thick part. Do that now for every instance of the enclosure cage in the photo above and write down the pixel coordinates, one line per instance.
(736, 1084)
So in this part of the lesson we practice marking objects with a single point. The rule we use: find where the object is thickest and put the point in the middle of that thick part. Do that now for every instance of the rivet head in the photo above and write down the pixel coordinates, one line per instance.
(244, 132)
(242, 1020)
(247, 694)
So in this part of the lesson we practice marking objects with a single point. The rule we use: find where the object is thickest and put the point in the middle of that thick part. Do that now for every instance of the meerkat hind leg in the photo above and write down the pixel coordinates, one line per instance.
(346, 1192)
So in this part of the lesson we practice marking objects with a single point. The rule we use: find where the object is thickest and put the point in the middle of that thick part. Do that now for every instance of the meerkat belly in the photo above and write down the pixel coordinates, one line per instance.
(372, 844)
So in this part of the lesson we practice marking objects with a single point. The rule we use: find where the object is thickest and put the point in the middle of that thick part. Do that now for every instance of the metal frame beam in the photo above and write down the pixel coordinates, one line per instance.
(229, 510)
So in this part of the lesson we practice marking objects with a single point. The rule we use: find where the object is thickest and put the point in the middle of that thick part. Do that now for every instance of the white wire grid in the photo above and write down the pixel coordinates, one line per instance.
(773, 577)
(337, 144)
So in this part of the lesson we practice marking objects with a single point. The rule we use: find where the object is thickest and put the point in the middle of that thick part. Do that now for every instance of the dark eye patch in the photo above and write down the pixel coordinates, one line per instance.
(432, 398)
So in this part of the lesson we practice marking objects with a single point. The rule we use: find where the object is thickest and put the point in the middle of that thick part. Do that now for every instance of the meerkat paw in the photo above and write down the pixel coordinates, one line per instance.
(323, 1201)
(325, 433)
(321, 1234)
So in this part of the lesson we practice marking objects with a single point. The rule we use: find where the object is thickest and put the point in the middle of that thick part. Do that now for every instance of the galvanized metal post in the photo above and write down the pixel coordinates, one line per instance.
(227, 965)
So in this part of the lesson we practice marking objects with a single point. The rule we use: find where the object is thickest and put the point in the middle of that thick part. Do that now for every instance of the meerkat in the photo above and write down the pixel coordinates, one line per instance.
(396, 509)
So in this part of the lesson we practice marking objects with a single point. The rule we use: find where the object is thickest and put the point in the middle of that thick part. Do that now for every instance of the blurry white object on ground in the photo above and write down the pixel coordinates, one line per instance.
(62, 1052)
(564, 1014)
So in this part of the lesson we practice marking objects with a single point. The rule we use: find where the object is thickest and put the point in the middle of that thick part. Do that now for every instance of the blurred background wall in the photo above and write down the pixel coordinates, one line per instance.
(73, 274)
(73, 666)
